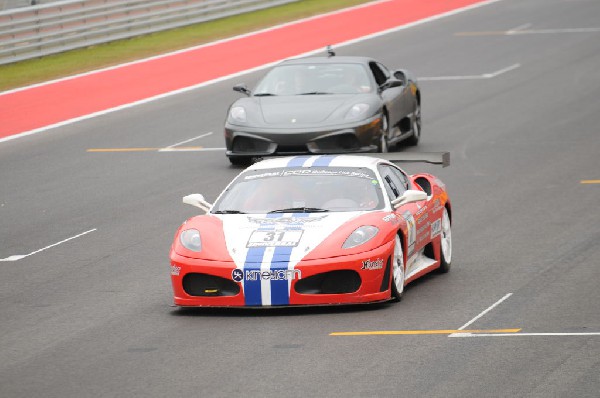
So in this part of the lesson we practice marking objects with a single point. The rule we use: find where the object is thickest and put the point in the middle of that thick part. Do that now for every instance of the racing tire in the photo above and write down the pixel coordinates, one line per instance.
(445, 243)
(240, 161)
(382, 145)
(398, 271)
(413, 140)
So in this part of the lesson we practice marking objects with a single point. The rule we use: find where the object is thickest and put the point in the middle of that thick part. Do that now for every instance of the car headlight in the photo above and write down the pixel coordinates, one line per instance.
(357, 111)
(190, 239)
(238, 114)
(360, 235)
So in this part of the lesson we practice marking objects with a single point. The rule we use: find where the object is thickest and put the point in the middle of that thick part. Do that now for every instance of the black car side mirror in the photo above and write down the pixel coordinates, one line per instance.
(242, 88)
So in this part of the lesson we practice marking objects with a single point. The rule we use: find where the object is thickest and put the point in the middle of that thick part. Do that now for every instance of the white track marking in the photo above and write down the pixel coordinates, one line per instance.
(472, 77)
(233, 75)
(551, 31)
(21, 256)
(190, 140)
(521, 334)
(190, 149)
(519, 28)
(485, 312)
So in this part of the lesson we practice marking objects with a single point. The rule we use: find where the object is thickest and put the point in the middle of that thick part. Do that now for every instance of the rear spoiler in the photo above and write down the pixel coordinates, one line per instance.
(441, 158)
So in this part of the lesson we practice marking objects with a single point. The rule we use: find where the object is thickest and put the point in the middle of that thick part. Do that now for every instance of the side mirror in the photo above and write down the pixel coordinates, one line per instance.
(242, 88)
(197, 200)
(400, 75)
(409, 196)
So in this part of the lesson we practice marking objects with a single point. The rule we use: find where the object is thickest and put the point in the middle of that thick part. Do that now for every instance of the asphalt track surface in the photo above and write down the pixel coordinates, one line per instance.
(510, 89)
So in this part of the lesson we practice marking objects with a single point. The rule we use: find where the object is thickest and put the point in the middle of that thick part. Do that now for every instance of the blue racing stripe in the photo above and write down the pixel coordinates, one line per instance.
(297, 161)
(252, 289)
(254, 258)
(324, 160)
(280, 294)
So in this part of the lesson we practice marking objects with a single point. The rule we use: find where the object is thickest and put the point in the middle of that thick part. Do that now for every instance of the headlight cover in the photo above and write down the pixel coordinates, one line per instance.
(190, 239)
(358, 111)
(238, 114)
(359, 236)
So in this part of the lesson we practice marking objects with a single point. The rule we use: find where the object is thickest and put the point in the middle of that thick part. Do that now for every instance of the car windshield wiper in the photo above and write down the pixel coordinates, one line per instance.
(315, 93)
(265, 95)
(300, 210)
(228, 212)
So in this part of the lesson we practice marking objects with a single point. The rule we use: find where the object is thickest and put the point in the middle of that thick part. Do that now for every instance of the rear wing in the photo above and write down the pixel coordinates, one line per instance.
(441, 158)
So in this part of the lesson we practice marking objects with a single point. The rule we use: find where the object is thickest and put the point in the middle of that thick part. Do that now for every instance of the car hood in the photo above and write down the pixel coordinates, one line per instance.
(305, 109)
(246, 238)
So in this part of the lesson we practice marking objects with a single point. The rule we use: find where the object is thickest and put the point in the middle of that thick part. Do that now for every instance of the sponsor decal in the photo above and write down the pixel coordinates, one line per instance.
(273, 275)
(175, 270)
(284, 220)
(238, 275)
(410, 228)
(391, 218)
(372, 264)
(436, 228)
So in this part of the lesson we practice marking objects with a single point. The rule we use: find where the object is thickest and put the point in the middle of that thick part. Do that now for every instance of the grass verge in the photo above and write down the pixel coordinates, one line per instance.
(38, 70)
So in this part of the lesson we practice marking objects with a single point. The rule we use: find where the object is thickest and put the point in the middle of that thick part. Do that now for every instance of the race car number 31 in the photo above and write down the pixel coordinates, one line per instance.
(289, 238)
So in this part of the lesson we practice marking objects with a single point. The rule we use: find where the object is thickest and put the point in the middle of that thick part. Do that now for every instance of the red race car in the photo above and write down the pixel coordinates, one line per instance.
(314, 230)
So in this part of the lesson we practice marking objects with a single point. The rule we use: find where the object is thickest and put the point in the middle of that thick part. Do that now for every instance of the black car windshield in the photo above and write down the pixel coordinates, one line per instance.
(315, 79)
(302, 190)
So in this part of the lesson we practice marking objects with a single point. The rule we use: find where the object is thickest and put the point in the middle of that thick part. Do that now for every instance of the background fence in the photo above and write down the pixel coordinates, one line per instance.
(48, 27)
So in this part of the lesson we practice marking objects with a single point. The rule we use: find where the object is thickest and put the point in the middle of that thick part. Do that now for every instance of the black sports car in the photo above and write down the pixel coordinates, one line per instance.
(324, 105)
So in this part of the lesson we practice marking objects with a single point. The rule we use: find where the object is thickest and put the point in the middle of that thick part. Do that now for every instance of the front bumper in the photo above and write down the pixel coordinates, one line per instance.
(330, 281)
(252, 142)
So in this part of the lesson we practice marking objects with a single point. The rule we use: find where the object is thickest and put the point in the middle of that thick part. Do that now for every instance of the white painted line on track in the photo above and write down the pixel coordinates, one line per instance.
(551, 31)
(233, 75)
(21, 256)
(186, 141)
(485, 312)
(522, 334)
(472, 77)
(190, 149)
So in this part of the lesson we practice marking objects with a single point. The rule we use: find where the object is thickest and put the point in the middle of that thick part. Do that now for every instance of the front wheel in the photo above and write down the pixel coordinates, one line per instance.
(446, 243)
(382, 145)
(415, 127)
(397, 270)
(240, 161)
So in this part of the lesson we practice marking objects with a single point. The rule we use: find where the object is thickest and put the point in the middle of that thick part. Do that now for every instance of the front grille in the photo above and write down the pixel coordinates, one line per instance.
(292, 149)
(347, 141)
(247, 144)
(332, 282)
(196, 284)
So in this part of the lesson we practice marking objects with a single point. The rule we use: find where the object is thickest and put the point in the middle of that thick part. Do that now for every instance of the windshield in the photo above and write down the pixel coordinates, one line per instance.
(302, 190)
(315, 79)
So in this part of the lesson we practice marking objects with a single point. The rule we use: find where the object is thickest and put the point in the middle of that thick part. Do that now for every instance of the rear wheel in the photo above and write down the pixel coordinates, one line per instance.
(397, 270)
(415, 127)
(446, 243)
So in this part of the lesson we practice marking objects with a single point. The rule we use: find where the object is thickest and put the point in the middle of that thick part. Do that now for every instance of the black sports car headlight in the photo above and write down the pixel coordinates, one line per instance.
(238, 114)
(360, 235)
(358, 111)
(190, 239)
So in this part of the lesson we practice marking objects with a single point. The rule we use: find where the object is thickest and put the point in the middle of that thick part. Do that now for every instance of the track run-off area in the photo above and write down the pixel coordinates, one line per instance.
(93, 169)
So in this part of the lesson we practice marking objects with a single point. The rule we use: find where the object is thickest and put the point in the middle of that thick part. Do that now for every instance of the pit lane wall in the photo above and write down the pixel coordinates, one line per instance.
(42, 29)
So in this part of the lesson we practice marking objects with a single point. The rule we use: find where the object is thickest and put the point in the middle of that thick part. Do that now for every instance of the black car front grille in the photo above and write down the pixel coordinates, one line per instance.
(332, 282)
(196, 284)
(249, 144)
(292, 149)
(347, 142)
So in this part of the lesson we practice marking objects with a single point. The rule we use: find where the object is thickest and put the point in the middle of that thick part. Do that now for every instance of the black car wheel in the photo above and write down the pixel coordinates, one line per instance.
(416, 127)
(240, 161)
(382, 145)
